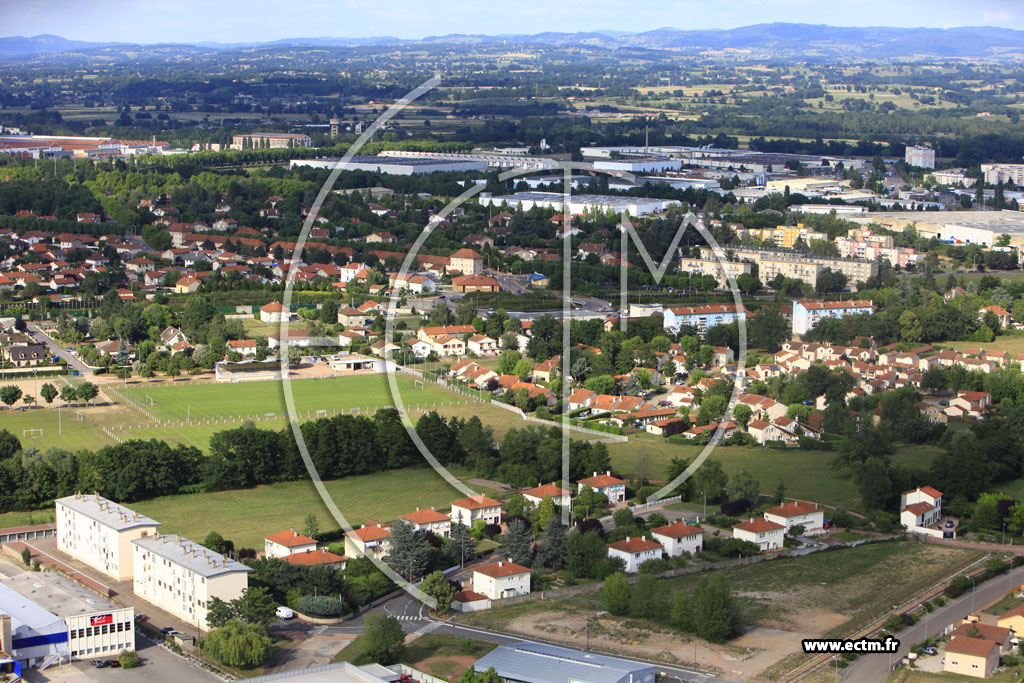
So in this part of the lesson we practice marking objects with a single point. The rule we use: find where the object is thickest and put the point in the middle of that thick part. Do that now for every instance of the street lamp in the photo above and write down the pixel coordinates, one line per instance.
(705, 494)
(762, 651)
(836, 662)
(1004, 534)
(745, 653)
(974, 585)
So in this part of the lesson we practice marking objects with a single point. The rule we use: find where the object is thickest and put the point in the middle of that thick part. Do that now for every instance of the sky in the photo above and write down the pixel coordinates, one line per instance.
(231, 21)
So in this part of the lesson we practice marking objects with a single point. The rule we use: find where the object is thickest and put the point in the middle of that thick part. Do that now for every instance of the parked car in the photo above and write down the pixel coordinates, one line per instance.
(929, 651)
(166, 630)
(141, 617)
(949, 524)
(113, 663)
(98, 663)
(285, 613)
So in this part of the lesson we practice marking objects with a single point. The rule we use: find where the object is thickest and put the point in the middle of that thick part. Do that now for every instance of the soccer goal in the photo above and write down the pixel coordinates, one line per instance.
(31, 433)
(149, 400)
(418, 384)
(79, 416)
(321, 413)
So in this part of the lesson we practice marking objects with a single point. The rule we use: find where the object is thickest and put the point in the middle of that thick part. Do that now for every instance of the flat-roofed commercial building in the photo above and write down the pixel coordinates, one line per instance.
(396, 165)
(181, 577)
(581, 203)
(46, 618)
(541, 663)
(270, 140)
(100, 532)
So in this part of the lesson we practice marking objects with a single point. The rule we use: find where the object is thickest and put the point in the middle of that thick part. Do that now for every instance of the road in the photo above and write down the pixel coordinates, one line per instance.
(873, 668)
(56, 349)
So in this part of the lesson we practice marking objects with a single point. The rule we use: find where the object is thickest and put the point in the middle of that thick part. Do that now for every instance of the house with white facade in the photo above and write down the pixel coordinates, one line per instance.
(468, 510)
(502, 579)
(557, 494)
(921, 511)
(430, 520)
(797, 513)
(702, 317)
(679, 538)
(613, 487)
(767, 535)
(287, 543)
(634, 551)
(370, 539)
(274, 313)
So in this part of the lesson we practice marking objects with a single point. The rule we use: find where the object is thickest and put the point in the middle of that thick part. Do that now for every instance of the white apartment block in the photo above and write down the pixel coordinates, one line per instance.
(701, 317)
(720, 271)
(181, 577)
(798, 266)
(99, 532)
(1003, 173)
(923, 157)
(809, 312)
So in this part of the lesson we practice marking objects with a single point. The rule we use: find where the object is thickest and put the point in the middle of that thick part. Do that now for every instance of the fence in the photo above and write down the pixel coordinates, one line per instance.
(653, 503)
(604, 437)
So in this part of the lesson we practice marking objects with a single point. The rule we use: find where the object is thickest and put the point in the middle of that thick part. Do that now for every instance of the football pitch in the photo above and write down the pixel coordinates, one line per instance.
(171, 401)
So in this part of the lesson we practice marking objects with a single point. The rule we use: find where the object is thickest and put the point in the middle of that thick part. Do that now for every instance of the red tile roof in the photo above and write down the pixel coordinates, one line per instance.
(601, 481)
(475, 503)
(793, 509)
(501, 569)
(758, 526)
(291, 539)
(677, 530)
(635, 545)
(425, 517)
(545, 490)
(975, 647)
(314, 557)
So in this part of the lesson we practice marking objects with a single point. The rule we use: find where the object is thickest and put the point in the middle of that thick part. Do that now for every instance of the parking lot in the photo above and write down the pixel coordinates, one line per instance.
(158, 665)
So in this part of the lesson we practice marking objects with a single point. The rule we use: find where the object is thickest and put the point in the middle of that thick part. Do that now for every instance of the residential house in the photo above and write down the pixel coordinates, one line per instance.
(536, 495)
(467, 510)
(1004, 316)
(274, 313)
(634, 551)
(246, 347)
(349, 316)
(25, 355)
(482, 345)
(767, 535)
(612, 487)
(430, 520)
(679, 538)
(467, 262)
(797, 513)
(318, 556)
(371, 538)
(287, 543)
(973, 657)
(502, 579)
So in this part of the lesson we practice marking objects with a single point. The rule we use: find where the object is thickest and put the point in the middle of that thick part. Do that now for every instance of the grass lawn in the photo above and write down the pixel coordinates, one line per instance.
(258, 328)
(176, 401)
(806, 474)
(64, 430)
(444, 656)
(246, 516)
(1012, 343)
(915, 676)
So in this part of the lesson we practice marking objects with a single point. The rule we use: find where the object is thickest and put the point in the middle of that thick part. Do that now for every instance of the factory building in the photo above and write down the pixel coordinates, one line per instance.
(579, 203)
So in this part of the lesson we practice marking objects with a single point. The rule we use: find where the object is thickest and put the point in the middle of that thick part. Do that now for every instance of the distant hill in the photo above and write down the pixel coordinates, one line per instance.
(759, 40)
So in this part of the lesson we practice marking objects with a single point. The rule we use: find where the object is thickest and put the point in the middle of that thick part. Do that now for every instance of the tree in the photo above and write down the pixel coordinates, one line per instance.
(437, 586)
(1015, 523)
(516, 542)
(715, 611)
(551, 549)
(69, 393)
(461, 546)
(409, 554)
(601, 384)
(384, 639)
(256, 606)
(10, 394)
(217, 544)
(26, 557)
(616, 594)
(218, 613)
(545, 511)
(507, 361)
(584, 553)
(742, 414)
(240, 645)
(312, 525)
(87, 391)
(743, 485)
(48, 392)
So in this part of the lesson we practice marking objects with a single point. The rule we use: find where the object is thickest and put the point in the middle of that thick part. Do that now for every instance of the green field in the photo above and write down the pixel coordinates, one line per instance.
(806, 474)
(179, 400)
(246, 516)
(64, 430)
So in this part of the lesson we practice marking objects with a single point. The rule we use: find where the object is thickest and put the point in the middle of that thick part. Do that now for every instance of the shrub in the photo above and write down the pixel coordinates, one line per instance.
(324, 606)
(734, 508)
(129, 659)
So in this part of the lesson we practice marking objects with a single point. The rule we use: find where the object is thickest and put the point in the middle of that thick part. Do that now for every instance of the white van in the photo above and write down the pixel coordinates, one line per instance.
(285, 613)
